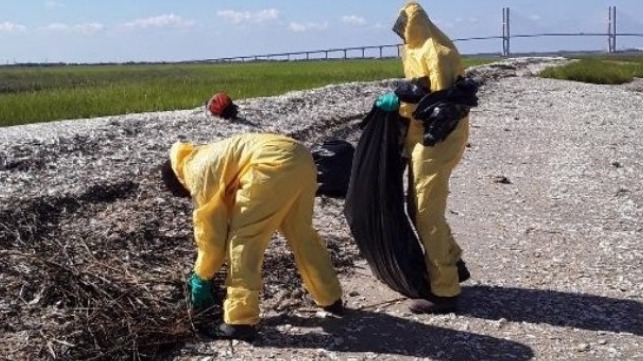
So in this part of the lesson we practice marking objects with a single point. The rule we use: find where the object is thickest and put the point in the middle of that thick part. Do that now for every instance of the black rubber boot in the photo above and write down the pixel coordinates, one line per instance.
(434, 305)
(463, 271)
(337, 308)
(232, 332)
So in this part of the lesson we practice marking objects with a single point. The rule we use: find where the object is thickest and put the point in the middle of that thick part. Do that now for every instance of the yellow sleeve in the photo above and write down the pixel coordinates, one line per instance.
(210, 234)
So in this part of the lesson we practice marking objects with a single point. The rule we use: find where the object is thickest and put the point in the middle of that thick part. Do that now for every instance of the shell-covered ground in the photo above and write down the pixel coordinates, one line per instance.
(547, 205)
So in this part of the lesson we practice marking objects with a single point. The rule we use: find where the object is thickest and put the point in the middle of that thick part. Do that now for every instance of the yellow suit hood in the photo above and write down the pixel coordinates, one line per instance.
(179, 153)
(419, 28)
(427, 52)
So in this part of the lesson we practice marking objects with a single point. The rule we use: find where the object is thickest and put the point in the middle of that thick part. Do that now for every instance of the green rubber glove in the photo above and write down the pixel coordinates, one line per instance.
(388, 102)
(200, 292)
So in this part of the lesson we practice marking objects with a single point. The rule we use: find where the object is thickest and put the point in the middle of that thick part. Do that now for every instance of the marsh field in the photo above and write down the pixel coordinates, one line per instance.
(45, 93)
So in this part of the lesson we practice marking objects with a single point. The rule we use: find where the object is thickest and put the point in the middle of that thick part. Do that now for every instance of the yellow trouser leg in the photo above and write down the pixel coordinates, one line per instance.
(429, 172)
(311, 255)
(257, 213)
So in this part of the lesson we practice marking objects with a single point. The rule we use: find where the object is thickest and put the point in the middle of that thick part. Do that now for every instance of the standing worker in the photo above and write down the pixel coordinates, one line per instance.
(245, 188)
(428, 53)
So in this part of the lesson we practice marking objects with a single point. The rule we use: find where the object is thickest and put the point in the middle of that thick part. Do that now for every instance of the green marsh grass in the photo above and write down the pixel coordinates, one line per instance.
(599, 70)
(40, 94)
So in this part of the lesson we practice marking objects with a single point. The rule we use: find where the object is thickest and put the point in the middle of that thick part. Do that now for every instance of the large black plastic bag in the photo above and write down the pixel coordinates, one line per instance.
(333, 158)
(374, 208)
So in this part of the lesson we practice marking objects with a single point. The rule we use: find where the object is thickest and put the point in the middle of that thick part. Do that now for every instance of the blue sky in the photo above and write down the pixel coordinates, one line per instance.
(173, 30)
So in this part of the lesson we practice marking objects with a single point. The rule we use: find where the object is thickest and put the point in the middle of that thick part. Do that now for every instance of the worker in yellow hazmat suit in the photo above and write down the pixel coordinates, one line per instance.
(428, 52)
(245, 188)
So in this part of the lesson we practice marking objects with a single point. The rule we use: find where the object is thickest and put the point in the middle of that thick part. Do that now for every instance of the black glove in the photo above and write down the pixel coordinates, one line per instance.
(411, 91)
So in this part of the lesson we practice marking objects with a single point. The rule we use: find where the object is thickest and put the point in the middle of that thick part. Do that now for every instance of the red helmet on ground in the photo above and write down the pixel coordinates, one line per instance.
(218, 104)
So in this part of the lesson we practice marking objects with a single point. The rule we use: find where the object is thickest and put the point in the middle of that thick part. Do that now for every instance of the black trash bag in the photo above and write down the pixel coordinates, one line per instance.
(463, 92)
(443, 120)
(441, 111)
(375, 209)
(333, 158)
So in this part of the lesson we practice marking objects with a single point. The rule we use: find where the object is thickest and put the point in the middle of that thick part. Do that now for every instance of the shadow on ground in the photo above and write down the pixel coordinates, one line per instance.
(379, 333)
(577, 310)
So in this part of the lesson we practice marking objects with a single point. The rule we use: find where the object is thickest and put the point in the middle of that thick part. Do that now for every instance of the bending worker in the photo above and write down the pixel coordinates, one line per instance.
(430, 54)
(245, 188)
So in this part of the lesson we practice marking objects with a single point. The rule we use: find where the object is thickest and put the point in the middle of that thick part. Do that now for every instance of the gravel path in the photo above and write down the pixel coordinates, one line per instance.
(547, 205)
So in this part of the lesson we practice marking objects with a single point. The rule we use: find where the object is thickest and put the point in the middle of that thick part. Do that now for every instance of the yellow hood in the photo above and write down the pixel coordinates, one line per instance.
(427, 52)
(419, 28)
(179, 153)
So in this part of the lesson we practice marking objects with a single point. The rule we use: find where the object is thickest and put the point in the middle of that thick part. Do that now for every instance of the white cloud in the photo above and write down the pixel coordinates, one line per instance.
(53, 5)
(238, 17)
(7, 27)
(298, 27)
(86, 28)
(354, 20)
(168, 20)
(535, 17)
(57, 27)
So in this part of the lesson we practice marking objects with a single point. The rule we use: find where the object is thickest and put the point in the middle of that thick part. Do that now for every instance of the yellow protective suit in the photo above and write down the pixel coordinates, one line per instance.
(245, 188)
(429, 52)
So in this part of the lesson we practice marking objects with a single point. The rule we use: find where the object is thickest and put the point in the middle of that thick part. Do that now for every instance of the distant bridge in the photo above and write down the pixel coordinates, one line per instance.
(393, 50)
